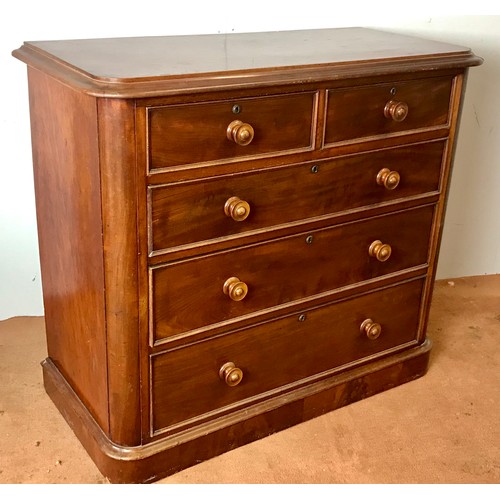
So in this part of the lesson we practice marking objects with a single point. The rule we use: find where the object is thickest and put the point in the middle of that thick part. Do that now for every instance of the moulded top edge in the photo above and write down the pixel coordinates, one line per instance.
(146, 66)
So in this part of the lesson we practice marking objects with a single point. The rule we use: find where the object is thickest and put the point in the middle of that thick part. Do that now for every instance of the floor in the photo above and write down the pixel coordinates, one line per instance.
(442, 428)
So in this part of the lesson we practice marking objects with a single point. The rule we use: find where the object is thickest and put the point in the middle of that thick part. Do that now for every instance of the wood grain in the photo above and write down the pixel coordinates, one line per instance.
(185, 213)
(279, 353)
(119, 202)
(68, 205)
(165, 456)
(148, 66)
(358, 112)
(284, 270)
(197, 133)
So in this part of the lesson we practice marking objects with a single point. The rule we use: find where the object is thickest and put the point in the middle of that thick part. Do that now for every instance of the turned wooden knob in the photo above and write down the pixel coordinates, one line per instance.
(236, 289)
(388, 178)
(237, 209)
(396, 110)
(239, 132)
(371, 329)
(381, 251)
(230, 374)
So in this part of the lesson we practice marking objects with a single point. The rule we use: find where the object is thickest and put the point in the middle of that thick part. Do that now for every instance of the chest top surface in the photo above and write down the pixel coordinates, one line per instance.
(131, 67)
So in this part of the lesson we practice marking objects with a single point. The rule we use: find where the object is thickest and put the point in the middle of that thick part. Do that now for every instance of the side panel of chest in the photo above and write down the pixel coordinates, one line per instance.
(67, 188)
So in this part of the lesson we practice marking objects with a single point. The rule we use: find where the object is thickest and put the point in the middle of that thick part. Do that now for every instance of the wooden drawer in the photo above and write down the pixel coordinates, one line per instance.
(281, 352)
(188, 295)
(198, 133)
(360, 112)
(190, 212)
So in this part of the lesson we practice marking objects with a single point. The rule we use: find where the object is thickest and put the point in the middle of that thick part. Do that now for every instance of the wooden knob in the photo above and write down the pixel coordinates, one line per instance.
(371, 329)
(236, 289)
(237, 209)
(381, 251)
(239, 132)
(388, 178)
(396, 110)
(230, 374)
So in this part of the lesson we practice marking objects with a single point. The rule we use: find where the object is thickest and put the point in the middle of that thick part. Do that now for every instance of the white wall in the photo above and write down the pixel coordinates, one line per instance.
(471, 243)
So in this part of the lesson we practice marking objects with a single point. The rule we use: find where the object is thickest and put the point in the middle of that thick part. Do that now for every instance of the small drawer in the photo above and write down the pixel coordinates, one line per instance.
(200, 211)
(229, 369)
(203, 291)
(392, 108)
(224, 130)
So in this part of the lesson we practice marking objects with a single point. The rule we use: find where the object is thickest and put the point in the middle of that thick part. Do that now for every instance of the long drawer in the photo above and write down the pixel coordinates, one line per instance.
(203, 291)
(234, 367)
(389, 108)
(189, 212)
(225, 130)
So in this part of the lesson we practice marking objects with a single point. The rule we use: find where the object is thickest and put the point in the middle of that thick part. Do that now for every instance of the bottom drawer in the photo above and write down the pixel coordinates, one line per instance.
(188, 381)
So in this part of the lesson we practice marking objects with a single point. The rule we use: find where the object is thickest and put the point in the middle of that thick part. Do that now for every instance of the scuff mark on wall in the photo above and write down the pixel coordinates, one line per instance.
(475, 116)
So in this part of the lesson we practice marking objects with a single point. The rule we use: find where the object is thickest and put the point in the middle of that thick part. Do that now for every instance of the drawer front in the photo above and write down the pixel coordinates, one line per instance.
(198, 133)
(186, 213)
(361, 112)
(190, 294)
(186, 382)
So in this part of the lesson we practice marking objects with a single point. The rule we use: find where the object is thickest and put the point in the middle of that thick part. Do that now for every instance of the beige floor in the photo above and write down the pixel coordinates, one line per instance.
(442, 428)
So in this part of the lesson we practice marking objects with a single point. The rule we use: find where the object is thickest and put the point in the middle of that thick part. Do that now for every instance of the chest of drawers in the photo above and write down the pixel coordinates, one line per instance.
(237, 232)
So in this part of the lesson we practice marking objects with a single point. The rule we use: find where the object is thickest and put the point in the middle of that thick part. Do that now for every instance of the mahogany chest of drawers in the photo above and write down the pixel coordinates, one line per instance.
(237, 232)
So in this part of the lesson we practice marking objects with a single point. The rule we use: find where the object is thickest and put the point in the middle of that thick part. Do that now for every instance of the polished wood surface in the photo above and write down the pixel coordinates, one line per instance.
(237, 209)
(148, 66)
(119, 215)
(380, 251)
(198, 133)
(231, 374)
(359, 112)
(184, 213)
(168, 455)
(280, 353)
(321, 261)
(371, 329)
(150, 57)
(238, 240)
(67, 189)
(396, 110)
(235, 289)
(389, 179)
(239, 132)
